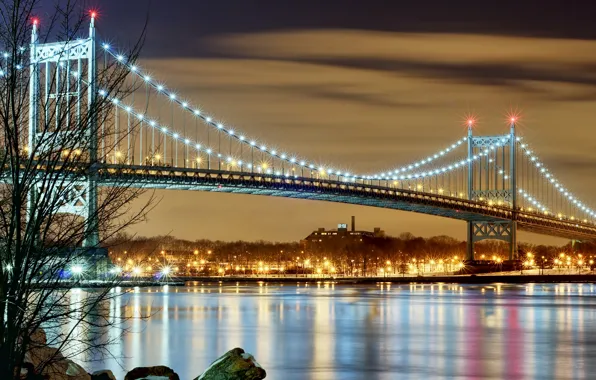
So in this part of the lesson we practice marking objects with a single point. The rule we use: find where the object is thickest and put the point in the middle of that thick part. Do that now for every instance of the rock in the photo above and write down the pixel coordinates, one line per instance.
(57, 367)
(103, 375)
(39, 355)
(234, 365)
(157, 373)
(38, 337)
(28, 372)
(66, 370)
(74, 369)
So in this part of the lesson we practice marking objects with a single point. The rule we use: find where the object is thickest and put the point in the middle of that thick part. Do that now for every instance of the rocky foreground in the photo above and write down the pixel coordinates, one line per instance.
(235, 364)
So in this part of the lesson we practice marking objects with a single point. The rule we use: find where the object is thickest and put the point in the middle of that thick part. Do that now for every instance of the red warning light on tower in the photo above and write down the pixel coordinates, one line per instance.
(513, 117)
(470, 120)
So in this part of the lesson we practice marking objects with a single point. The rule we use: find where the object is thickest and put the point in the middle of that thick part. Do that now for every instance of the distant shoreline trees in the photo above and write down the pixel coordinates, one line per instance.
(398, 254)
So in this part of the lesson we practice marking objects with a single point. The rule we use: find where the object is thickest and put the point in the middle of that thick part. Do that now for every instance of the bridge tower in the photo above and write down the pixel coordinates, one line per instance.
(62, 97)
(487, 189)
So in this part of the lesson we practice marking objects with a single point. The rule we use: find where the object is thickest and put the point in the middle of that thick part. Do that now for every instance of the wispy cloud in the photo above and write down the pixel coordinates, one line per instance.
(365, 101)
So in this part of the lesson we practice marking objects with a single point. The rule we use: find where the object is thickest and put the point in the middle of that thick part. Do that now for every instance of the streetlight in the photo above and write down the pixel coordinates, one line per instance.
(579, 266)
(76, 269)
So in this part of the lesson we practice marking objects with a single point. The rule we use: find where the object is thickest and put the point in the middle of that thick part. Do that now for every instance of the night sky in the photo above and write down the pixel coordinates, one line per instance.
(366, 85)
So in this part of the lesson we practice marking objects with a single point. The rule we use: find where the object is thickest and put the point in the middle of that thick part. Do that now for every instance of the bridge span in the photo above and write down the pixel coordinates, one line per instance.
(340, 192)
(153, 137)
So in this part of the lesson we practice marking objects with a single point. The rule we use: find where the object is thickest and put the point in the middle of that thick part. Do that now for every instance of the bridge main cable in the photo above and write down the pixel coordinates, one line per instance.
(171, 95)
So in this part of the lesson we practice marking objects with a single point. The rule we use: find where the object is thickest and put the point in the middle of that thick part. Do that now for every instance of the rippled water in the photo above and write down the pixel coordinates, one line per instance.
(368, 332)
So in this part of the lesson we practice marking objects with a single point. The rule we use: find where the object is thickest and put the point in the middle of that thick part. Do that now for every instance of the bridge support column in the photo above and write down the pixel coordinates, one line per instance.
(33, 120)
(80, 196)
(504, 230)
(513, 241)
(92, 228)
(485, 191)
(470, 225)
(470, 246)
(513, 175)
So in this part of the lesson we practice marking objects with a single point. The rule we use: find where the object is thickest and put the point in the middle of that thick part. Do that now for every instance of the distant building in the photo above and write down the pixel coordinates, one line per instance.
(340, 237)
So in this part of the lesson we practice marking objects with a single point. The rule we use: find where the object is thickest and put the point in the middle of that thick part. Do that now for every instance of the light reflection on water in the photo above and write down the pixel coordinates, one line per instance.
(369, 332)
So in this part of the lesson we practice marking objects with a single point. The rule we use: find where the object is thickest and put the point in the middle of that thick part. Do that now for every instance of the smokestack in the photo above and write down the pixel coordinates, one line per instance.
(353, 223)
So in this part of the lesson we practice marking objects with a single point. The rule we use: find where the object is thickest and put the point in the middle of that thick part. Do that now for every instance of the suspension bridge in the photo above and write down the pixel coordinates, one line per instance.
(152, 137)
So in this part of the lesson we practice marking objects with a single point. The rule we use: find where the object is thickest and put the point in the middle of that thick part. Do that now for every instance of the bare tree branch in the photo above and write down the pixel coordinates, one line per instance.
(43, 172)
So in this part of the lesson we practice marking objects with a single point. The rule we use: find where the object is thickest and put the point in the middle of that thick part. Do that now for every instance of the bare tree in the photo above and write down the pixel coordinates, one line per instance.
(53, 217)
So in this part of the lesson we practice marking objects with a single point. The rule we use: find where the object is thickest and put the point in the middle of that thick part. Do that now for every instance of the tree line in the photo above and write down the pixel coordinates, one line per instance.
(368, 256)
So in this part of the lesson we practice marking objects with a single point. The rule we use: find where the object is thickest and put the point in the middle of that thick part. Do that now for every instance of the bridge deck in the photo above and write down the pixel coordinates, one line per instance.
(337, 191)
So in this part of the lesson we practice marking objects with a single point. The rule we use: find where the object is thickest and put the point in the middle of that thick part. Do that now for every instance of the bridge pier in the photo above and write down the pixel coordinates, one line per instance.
(92, 228)
(80, 196)
(496, 191)
(513, 241)
(470, 245)
(504, 230)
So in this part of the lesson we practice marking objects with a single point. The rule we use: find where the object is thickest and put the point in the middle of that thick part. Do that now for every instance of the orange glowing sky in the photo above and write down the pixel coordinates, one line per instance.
(362, 99)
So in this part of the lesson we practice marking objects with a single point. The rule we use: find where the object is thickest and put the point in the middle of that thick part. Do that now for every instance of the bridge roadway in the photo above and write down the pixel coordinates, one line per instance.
(337, 191)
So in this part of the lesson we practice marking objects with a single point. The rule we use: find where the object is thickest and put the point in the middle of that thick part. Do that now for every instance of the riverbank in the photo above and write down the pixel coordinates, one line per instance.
(470, 279)
(122, 284)
(448, 279)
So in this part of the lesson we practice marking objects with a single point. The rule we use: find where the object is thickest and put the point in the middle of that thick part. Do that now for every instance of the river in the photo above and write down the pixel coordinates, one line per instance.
(366, 332)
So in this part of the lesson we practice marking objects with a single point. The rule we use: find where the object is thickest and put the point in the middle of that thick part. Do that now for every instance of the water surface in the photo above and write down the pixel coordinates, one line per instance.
(367, 332)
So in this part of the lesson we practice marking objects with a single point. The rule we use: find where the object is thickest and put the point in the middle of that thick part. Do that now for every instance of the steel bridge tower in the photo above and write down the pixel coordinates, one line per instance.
(500, 230)
(57, 75)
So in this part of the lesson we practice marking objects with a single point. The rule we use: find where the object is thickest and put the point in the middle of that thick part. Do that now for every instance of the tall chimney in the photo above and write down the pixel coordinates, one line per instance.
(353, 223)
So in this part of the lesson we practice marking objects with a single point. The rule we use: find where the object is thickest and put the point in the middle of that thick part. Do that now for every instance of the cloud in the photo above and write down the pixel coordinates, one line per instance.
(366, 102)
(582, 164)
(470, 59)
(451, 48)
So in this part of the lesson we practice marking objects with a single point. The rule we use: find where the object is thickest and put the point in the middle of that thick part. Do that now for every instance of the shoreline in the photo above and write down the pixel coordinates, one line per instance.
(455, 279)
(465, 279)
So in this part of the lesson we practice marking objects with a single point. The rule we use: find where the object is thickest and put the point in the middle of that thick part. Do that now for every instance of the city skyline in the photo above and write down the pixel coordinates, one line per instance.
(320, 88)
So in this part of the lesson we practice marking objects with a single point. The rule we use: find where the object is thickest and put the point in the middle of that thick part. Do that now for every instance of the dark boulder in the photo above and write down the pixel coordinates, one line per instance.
(160, 371)
(234, 365)
(103, 375)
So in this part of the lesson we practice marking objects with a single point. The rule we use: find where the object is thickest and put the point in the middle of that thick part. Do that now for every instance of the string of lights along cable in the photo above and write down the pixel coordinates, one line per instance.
(406, 176)
(155, 133)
